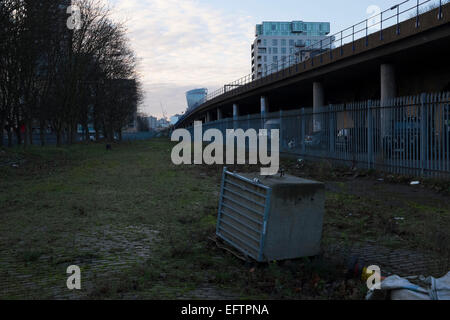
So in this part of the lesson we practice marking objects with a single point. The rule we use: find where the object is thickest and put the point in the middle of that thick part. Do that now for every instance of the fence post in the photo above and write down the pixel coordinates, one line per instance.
(281, 130)
(423, 132)
(381, 27)
(417, 15)
(302, 138)
(369, 135)
(331, 117)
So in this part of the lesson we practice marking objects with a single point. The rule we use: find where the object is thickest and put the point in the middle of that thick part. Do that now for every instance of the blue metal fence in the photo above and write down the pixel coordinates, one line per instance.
(408, 135)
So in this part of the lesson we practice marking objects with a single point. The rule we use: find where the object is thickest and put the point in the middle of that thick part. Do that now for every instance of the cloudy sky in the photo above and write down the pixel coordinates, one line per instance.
(187, 44)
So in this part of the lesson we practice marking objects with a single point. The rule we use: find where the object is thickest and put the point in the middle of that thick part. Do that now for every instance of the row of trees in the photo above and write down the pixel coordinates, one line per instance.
(59, 70)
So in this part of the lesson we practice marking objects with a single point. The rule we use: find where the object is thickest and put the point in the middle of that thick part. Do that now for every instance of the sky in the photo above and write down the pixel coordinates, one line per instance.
(187, 44)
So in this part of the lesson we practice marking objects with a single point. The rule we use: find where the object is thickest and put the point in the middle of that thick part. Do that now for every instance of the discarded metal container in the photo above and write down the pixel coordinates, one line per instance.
(271, 218)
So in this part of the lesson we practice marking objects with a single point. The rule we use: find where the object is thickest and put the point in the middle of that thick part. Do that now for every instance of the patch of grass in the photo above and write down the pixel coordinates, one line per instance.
(30, 255)
(79, 200)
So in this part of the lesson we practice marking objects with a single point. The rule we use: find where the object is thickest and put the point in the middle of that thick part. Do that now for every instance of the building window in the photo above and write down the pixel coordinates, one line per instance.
(265, 58)
(274, 42)
(283, 42)
(265, 42)
(275, 50)
(275, 58)
(291, 43)
(283, 50)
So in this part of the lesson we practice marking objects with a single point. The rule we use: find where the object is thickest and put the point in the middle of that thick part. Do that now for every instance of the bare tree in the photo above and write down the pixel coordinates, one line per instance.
(11, 19)
(53, 75)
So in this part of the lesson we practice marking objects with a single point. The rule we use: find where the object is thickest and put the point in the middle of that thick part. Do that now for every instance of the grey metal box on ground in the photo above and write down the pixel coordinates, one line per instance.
(271, 218)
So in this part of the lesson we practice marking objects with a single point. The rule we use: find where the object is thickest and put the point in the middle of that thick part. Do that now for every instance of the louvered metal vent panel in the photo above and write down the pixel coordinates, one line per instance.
(243, 212)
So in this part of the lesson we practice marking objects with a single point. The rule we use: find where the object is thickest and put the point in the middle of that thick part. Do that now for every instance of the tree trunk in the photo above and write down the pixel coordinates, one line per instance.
(96, 127)
(86, 131)
(58, 138)
(73, 132)
(30, 131)
(10, 137)
(110, 134)
(105, 132)
(18, 135)
(120, 135)
(97, 133)
(42, 132)
(24, 133)
(69, 135)
(2, 128)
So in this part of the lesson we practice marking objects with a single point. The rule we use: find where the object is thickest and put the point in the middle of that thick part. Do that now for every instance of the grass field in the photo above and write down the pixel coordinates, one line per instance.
(138, 227)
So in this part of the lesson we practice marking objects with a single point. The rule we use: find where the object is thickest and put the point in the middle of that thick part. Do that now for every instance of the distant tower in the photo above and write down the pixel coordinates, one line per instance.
(196, 97)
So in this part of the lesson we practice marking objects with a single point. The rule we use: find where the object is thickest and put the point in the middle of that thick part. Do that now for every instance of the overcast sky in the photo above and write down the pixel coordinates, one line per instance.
(187, 44)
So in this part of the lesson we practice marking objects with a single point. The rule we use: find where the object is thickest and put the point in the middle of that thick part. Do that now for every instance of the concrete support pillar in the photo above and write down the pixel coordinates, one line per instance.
(264, 105)
(208, 116)
(236, 115)
(388, 82)
(318, 102)
(388, 92)
(235, 111)
(219, 114)
(264, 110)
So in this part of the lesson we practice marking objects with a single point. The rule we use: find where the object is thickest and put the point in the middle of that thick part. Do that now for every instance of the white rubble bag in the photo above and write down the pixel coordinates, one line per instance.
(397, 288)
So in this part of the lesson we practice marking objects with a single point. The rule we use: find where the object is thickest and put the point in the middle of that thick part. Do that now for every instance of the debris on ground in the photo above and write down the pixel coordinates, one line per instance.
(397, 288)
(300, 163)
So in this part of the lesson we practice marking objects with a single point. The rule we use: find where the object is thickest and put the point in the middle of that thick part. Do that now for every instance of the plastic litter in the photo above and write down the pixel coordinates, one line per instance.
(397, 288)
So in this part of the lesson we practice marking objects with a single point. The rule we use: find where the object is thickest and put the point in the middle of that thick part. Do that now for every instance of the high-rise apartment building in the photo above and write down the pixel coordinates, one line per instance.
(281, 42)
